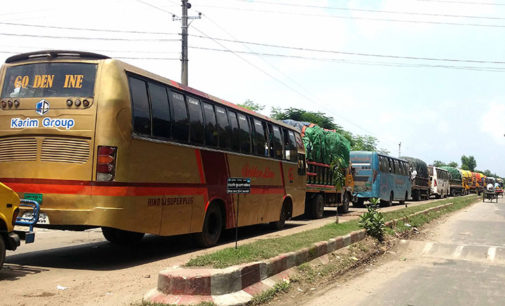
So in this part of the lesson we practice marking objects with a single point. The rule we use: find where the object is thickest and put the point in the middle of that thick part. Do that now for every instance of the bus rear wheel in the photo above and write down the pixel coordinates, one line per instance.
(278, 225)
(388, 203)
(360, 202)
(121, 237)
(317, 209)
(212, 227)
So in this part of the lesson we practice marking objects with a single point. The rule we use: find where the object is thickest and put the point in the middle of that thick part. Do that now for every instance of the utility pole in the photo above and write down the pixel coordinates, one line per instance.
(184, 53)
(399, 149)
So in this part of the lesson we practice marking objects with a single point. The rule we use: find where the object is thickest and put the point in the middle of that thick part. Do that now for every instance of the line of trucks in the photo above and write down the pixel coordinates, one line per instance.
(324, 146)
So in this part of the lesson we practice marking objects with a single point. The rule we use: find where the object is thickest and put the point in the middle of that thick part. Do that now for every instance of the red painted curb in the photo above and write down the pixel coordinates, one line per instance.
(190, 286)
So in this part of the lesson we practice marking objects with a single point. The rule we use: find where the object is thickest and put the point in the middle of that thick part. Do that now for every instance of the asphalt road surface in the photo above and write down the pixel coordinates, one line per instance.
(64, 267)
(460, 262)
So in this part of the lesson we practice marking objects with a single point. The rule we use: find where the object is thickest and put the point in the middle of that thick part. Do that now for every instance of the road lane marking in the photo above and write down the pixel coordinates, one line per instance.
(491, 253)
(458, 251)
(427, 247)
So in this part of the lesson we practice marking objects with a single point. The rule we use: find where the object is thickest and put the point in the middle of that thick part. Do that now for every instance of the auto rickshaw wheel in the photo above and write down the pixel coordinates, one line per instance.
(2, 251)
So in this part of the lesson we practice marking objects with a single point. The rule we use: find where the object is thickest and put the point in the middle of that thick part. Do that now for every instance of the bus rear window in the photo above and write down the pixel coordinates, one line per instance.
(49, 80)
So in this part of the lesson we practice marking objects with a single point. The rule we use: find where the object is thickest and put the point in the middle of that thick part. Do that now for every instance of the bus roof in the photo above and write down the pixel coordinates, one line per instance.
(53, 54)
(83, 55)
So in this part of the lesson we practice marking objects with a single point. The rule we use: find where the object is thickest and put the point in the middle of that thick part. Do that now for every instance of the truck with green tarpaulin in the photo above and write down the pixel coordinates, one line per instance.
(329, 171)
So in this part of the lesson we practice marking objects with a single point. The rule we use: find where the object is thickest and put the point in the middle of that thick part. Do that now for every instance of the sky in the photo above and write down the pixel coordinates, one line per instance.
(424, 73)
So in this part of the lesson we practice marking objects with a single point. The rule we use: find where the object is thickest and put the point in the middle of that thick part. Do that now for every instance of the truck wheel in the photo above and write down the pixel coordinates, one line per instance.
(345, 204)
(317, 204)
(212, 227)
(360, 202)
(121, 237)
(2, 251)
(416, 196)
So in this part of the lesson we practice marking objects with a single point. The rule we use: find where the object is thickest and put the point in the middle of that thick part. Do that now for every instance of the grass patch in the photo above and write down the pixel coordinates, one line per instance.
(269, 248)
(268, 295)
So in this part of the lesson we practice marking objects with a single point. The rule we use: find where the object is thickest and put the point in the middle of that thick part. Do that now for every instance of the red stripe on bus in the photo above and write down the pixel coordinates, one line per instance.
(105, 190)
(282, 176)
(120, 189)
(200, 165)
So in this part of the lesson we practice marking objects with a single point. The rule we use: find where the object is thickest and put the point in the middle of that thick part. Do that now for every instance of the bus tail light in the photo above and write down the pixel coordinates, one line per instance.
(106, 163)
(435, 182)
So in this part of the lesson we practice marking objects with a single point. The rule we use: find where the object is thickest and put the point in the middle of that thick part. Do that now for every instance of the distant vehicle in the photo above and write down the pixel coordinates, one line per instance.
(106, 144)
(419, 177)
(322, 148)
(455, 181)
(440, 185)
(467, 181)
(478, 178)
(380, 176)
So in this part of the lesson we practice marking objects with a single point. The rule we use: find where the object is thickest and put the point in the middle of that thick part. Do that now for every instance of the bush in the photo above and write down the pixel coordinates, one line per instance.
(373, 221)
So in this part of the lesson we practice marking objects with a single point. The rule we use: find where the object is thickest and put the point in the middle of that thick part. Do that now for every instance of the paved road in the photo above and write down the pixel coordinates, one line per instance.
(96, 272)
(462, 262)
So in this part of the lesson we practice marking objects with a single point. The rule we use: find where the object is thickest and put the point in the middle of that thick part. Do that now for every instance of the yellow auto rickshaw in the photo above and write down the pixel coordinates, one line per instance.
(9, 210)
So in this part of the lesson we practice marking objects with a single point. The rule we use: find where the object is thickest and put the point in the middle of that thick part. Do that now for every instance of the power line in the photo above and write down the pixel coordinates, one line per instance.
(89, 38)
(84, 29)
(464, 2)
(354, 53)
(369, 10)
(346, 61)
(360, 17)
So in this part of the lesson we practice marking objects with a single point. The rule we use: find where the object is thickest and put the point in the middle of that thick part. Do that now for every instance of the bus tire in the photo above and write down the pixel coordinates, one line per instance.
(317, 204)
(121, 237)
(388, 203)
(212, 227)
(344, 208)
(284, 215)
(2, 251)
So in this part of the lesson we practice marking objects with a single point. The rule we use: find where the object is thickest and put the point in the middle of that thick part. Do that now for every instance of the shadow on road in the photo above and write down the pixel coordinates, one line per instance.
(106, 256)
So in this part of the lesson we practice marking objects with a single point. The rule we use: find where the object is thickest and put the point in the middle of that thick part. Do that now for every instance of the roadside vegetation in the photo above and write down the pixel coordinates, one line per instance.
(269, 248)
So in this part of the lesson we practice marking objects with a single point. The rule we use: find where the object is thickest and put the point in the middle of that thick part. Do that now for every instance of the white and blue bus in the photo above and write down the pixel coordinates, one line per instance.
(380, 176)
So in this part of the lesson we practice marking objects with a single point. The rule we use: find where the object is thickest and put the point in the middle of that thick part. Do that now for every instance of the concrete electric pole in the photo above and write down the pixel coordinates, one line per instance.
(184, 54)
(399, 149)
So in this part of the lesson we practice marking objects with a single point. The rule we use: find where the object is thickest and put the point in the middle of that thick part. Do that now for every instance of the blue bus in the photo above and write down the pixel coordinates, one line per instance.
(380, 176)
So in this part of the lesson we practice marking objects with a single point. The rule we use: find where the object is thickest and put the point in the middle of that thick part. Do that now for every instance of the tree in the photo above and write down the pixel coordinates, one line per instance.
(468, 163)
(453, 164)
(249, 104)
(438, 163)
(297, 114)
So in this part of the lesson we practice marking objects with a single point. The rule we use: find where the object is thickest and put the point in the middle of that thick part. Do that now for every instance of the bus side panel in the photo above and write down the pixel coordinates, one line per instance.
(263, 203)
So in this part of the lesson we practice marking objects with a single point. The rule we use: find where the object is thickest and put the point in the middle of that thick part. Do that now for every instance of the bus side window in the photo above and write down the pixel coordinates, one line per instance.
(161, 110)
(235, 132)
(140, 106)
(195, 121)
(390, 165)
(223, 128)
(180, 126)
(259, 140)
(290, 145)
(276, 142)
(210, 125)
(245, 134)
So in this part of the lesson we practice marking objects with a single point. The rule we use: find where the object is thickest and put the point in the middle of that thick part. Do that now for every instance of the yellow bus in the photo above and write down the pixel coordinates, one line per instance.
(101, 143)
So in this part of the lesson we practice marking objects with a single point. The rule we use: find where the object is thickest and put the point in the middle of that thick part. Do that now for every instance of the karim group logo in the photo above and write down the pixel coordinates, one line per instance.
(42, 107)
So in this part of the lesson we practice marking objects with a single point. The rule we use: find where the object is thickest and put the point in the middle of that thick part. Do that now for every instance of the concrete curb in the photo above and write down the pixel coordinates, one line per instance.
(237, 285)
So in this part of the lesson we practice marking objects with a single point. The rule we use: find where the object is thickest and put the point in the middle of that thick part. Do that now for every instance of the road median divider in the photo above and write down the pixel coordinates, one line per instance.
(238, 284)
